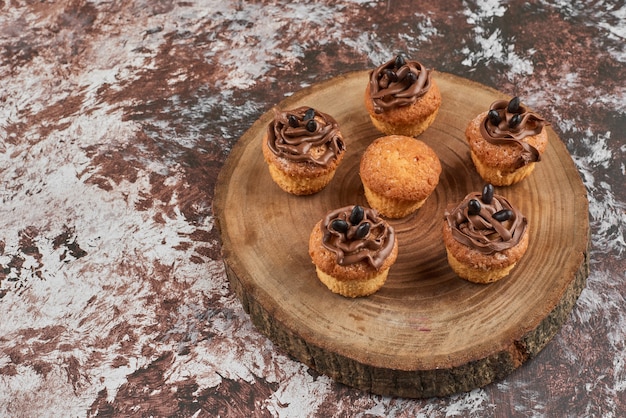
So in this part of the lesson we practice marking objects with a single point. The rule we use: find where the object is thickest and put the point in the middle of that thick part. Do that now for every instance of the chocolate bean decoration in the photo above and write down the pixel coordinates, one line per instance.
(356, 216)
(309, 114)
(311, 125)
(473, 207)
(494, 117)
(487, 195)
(502, 215)
(362, 230)
(513, 106)
(339, 225)
(400, 61)
(515, 120)
(391, 75)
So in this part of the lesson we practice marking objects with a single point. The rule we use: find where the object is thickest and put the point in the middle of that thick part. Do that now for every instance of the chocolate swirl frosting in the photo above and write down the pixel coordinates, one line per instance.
(398, 83)
(511, 122)
(305, 135)
(355, 233)
(486, 222)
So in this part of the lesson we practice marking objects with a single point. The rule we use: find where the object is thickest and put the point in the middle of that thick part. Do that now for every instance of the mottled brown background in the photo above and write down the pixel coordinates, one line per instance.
(115, 119)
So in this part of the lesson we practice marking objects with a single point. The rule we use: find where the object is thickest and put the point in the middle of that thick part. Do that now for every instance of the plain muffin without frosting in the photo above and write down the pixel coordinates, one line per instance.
(398, 174)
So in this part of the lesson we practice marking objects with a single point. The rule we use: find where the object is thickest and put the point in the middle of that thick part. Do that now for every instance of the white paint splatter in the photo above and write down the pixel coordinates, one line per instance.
(424, 28)
(377, 52)
(491, 47)
(473, 402)
(297, 397)
(484, 10)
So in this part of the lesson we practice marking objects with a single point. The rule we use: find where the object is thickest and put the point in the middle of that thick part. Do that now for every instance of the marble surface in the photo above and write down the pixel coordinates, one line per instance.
(115, 119)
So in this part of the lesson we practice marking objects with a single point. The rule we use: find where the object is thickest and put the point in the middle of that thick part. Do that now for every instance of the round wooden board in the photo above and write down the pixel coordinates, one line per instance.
(426, 332)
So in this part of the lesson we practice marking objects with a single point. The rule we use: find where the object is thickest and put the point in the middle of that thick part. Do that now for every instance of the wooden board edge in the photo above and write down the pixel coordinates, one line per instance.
(414, 383)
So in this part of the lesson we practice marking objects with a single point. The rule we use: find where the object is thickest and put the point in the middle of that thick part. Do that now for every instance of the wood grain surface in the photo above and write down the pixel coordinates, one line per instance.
(426, 332)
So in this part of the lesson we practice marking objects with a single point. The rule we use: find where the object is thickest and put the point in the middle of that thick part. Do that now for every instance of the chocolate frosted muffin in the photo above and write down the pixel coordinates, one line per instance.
(402, 97)
(506, 141)
(353, 249)
(485, 236)
(303, 148)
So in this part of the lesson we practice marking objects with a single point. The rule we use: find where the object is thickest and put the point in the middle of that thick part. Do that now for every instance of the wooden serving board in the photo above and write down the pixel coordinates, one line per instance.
(426, 332)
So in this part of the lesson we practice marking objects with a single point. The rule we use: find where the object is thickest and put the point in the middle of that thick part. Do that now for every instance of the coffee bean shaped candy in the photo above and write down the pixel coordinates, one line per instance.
(487, 195)
(494, 117)
(515, 120)
(513, 106)
(502, 215)
(311, 125)
(399, 62)
(357, 214)
(473, 207)
(411, 77)
(309, 114)
(339, 225)
(362, 231)
(391, 75)
(293, 121)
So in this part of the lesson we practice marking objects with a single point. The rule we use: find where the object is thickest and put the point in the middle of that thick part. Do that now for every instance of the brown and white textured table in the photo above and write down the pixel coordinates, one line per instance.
(115, 119)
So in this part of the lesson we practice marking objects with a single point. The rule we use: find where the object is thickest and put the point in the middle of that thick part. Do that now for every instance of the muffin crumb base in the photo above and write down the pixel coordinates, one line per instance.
(353, 288)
